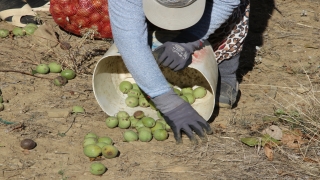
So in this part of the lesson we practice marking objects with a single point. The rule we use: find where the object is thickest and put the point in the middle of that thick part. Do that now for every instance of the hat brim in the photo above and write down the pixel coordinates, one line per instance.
(173, 18)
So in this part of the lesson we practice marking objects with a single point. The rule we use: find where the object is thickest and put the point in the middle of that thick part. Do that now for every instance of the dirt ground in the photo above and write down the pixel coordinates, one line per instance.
(279, 70)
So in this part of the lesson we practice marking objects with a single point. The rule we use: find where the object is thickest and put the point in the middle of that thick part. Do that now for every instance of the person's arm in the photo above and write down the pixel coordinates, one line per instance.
(130, 34)
(177, 54)
(216, 13)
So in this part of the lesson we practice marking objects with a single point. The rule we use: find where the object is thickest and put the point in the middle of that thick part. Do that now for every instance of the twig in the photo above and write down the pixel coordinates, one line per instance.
(170, 171)
(278, 11)
(285, 36)
(29, 74)
(307, 26)
(23, 61)
(61, 153)
(64, 134)
(266, 86)
(69, 90)
(74, 61)
(15, 126)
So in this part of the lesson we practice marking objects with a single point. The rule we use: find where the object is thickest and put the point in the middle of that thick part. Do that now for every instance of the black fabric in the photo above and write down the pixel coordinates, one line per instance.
(11, 4)
(37, 3)
(24, 19)
(17, 4)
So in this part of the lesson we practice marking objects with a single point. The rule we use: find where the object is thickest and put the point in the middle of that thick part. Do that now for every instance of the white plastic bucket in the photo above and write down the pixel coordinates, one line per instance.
(110, 71)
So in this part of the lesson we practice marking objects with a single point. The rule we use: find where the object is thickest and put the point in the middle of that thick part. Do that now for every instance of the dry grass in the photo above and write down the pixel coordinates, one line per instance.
(301, 108)
(297, 108)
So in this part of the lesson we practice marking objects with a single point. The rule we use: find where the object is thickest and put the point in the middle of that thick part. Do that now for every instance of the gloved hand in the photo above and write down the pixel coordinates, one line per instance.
(176, 55)
(181, 116)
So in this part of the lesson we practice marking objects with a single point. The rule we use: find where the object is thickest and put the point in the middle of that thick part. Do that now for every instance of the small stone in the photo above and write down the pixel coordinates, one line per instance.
(46, 31)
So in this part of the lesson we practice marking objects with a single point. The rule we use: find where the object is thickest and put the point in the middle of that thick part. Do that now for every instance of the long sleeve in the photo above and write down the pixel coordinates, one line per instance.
(130, 35)
(216, 13)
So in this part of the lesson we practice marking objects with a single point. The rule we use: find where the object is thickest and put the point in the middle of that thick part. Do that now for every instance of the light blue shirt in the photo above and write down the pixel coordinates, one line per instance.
(130, 34)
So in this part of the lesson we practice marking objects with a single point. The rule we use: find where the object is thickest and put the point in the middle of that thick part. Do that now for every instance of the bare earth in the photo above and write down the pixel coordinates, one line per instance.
(279, 70)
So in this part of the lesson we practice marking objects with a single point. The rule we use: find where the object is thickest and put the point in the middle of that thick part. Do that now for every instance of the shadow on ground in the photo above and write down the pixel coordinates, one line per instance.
(260, 13)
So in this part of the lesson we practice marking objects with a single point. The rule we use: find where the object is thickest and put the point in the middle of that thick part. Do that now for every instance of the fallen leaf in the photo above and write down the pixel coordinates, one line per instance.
(292, 139)
(268, 152)
(313, 138)
(46, 31)
(267, 139)
(297, 132)
(250, 141)
(255, 127)
(267, 119)
(274, 132)
(223, 126)
(279, 112)
(306, 159)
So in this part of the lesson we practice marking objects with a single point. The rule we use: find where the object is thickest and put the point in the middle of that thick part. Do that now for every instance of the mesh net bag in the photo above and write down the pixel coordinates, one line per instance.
(82, 17)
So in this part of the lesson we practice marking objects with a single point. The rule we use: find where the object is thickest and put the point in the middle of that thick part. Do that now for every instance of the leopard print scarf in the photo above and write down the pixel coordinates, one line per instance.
(227, 41)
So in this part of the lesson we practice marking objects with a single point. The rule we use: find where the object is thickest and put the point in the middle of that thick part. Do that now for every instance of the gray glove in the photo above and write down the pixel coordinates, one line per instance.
(176, 55)
(181, 116)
